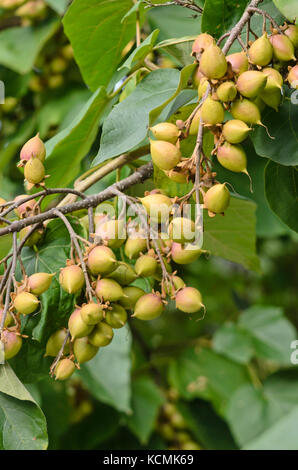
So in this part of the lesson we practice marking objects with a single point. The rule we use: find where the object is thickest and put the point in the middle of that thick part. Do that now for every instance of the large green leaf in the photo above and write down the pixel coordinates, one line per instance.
(19, 47)
(139, 54)
(283, 202)
(66, 150)
(205, 374)
(179, 48)
(24, 427)
(127, 124)
(261, 332)
(283, 126)
(288, 8)
(174, 22)
(219, 15)
(146, 401)
(107, 376)
(233, 236)
(98, 37)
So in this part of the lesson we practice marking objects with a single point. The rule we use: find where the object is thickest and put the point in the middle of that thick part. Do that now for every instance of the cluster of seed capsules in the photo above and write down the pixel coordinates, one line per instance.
(103, 277)
(243, 84)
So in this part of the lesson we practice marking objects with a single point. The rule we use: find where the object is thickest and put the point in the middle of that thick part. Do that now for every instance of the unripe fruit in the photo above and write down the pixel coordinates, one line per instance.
(194, 127)
(283, 48)
(131, 296)
(272, 98)
(184, 254)
(22, 210)
(83, 350)
(34, 171)
(202, 42)
(292, 33)
(274, 80)
(182, 230)
(227, 91)
(164, 154)
(108, 290)
(113, 231)
(261, 51)
(55, 81)
(55, 343)
(179, 176)
(293, 77)
(197, 76)
(148, 307)
(246, 111)
(77, 327)
(116, 317)
(8, 319)
(64, 369)
(189, 300)
(72, 279)
(232, 157)
(166, 131)
(146, 266)
(12, 343)
(202, 87)
(101, 260)
(32, 9)
(34, 238)
(217, 199)
(33, 148)
(213, 62)
(157, 206)
(58, 65)
(25, 303)
(10, 4)
(251, 83)
(124, 274)
(178, 282)
(92, 313)
(38, 283)
(158, 274)
(212, 112)
(235, 131)
(239, 62)
(134, 246)
(102, 335)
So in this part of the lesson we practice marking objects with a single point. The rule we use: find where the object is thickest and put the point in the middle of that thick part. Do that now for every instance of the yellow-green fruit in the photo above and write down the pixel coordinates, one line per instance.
(25, 303)
(212, 112)
(158, 275)
(272, 98)
(102, 335)
(232, 157)
(12, 343)
(184, 254)
(238, 62)
(189, 300)
(177, 176)
(166, 131)
(283, 48)
(38, 283)
(293, 77)
(77, 327)
(116, 317)
(157, 206)
(145, 266)
(190, 445)
(32, 9)
(8, 319)
(92, 313)
(34, 238)
(261, 51)
(10, 4)
(274, 80)
(113, 231)
(148, 307)
(202, 88)
(202, 42)
(124, 274)
(33, 148)
(71, 279)
(194, 127)
(164, 154)
(246, 111)
(217, 199)
(58, 65)
(23, 209)
(55, 342)
(131, 296)
(64, 369)
(197, 76)
(227, 91)
(34, 171)
(292, 33)
(251, 83)
(55, 81)
(101, 260)
(83, 350)
(182, 230)
(235, 131)
(213, 62)
(108, 290)
(134, 246)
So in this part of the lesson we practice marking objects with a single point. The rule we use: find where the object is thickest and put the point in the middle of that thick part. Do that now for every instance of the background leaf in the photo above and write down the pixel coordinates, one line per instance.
(220, 15)
(288, 8)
